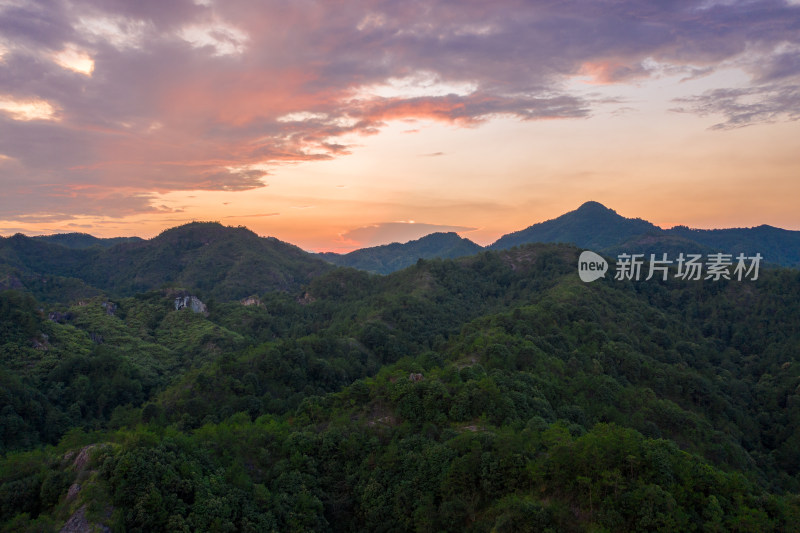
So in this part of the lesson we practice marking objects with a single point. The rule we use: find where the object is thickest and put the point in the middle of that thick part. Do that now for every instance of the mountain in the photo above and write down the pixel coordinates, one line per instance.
(221, 262)
(592, 226)
(776, 245)
(596, 227)
(83, 240)
(392, 257)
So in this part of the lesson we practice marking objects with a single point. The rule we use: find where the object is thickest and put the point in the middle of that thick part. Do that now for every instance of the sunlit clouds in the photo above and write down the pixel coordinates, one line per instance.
(27, 109)
(219, 37)
(74, 59)
(129, 117)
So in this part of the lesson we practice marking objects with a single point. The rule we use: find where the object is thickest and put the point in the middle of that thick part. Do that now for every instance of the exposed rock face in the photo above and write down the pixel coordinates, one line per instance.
(251, 300)
(192, 302)
(57, 316)
(83, 457)
(78, 523)
(415, 377)
(306, 298)
(73, 491)
(110, 308)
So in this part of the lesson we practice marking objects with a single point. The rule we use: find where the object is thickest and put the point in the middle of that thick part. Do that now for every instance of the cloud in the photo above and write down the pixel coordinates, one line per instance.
(74, 59)
(254, 215)
(745, 107)
(64, 202)
(7, 231)
(176, 96)
(389, 232)
(25, 110)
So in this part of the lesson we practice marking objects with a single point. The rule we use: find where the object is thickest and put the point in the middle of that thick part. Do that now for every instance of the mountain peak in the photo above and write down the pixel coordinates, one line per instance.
(591, 205)
(439, 235)
(201, 233)
(389, 258)
(592, 225)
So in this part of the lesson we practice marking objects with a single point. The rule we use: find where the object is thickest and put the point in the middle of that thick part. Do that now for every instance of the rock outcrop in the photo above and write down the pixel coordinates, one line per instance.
(251, 300)
(78, 523)
(192, 302)
(58, 316)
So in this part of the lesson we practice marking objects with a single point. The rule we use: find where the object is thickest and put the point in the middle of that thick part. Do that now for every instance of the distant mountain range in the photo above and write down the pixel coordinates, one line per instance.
(231, 263)
(592, 226)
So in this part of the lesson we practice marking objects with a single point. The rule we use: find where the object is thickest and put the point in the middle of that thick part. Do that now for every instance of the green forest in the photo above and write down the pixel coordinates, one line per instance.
(495, 392)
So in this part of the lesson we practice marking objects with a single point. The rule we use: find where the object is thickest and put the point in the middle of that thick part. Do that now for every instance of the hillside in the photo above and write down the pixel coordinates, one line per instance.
(393, 257)
(489, 392)
(592, 226)
(778, 245)
(659, 243)
(217, 261)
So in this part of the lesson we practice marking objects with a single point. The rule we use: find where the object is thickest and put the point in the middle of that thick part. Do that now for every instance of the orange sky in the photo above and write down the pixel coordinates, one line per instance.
(373, 122)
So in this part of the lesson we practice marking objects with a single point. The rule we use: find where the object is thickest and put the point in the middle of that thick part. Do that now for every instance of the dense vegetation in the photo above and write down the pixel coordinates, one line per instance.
(83, 240)
(494, 392)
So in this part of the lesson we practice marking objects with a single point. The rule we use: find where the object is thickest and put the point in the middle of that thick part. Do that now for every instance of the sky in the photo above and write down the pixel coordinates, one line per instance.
(336, 125)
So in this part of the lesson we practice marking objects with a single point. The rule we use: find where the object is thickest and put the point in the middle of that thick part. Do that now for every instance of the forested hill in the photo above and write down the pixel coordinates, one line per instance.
(83, 240)
(780, 246)
(392, 257)
(495, 392)
(220, 262)
(592, 226)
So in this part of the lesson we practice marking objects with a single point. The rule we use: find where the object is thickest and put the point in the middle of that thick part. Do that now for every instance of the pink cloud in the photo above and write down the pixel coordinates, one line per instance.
(161, 112)
(612, 71)
(388, 232)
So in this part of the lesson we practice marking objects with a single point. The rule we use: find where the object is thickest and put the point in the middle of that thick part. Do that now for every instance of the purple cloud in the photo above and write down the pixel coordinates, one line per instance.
(186, 96)
(744, 107)
(384, 232)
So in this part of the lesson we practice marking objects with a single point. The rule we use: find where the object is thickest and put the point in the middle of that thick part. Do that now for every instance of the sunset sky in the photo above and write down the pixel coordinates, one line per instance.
(335, 125)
